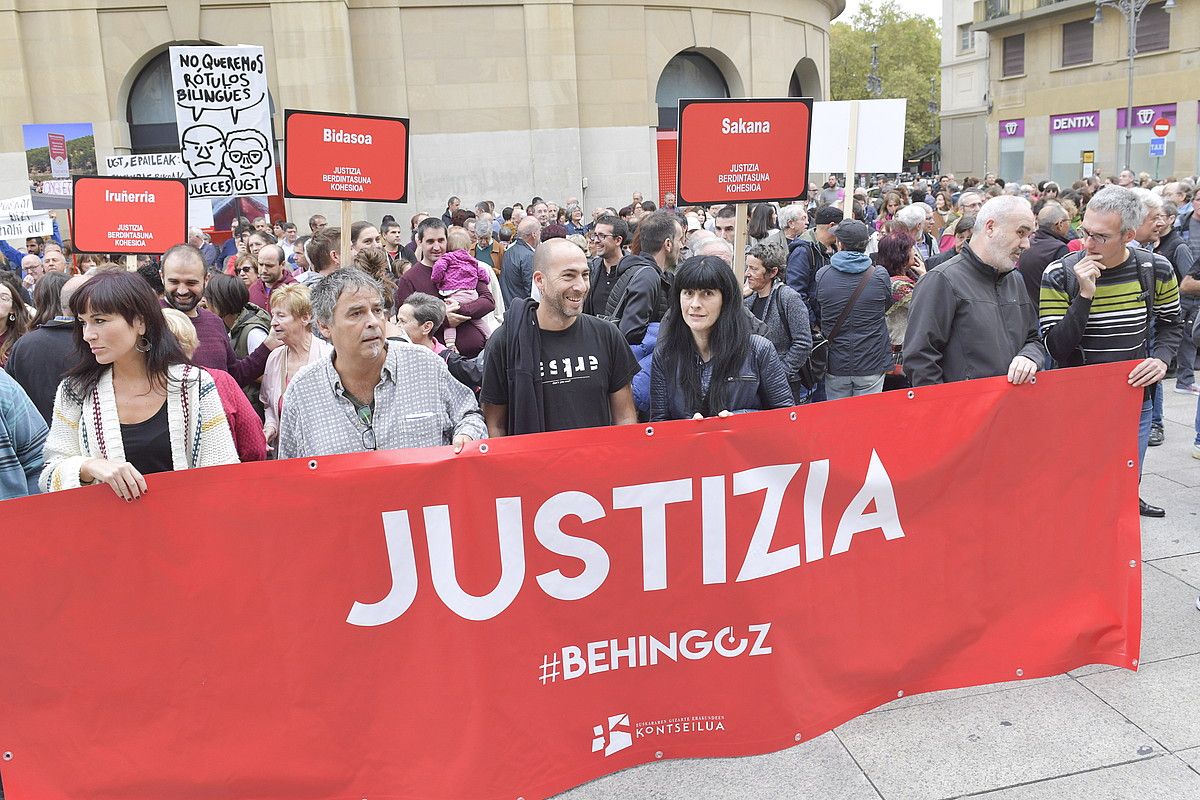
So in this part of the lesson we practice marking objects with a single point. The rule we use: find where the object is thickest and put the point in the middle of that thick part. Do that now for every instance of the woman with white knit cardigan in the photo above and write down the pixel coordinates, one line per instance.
(132, 405)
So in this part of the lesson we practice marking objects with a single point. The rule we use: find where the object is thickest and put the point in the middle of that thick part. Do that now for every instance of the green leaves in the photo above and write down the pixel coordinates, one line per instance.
(909, 53)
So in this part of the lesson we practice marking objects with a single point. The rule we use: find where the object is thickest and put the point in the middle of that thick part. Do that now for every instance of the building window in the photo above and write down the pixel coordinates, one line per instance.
(1014, 55)
(151, 110)
(966, 39)
(1154, 29)
(1077, 42)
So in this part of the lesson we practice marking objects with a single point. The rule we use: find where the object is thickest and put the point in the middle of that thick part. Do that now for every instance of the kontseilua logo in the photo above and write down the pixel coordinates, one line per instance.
(618, 736)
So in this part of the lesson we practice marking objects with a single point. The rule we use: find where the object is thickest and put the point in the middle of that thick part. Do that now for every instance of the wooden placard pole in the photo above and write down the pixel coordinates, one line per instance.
(739, 242)
(851, 161)
(346, 223)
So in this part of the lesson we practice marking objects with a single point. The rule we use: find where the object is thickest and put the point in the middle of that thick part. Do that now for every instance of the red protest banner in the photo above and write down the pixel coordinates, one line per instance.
(346, 156)
(144, 216)
(743, 151)
(518, 621)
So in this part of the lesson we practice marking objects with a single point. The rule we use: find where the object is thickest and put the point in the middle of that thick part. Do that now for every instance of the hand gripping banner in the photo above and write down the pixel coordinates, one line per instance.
(526, 616)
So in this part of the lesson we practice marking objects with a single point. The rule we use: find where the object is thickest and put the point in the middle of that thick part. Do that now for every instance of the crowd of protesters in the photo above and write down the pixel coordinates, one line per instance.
(475, 322)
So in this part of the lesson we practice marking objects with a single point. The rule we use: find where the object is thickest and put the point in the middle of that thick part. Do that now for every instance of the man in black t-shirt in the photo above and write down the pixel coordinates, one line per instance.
(551, 367)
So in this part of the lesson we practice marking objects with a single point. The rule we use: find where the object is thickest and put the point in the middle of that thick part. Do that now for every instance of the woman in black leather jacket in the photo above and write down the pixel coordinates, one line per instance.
(707, 362)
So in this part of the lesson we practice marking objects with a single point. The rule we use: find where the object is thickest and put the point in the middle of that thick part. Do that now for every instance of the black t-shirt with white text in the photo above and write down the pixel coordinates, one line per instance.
(581, 366)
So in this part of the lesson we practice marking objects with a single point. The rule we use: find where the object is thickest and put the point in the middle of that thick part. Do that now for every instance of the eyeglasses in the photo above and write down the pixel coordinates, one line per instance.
(368, 439)
(1099, 238)
(244, 270)
(600, 236)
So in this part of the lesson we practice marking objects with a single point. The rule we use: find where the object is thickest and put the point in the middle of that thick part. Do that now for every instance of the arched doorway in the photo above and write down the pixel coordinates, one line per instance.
(805, 80)
(688, 74)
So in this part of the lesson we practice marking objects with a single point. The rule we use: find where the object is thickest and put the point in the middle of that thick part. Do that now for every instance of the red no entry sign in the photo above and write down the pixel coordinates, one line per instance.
(1162, 126)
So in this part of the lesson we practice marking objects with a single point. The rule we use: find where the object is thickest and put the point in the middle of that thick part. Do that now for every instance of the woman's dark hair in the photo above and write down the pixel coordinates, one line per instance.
(894, 251)
(21, 324)
(47, 297)
(729, 338)
(357, 228)
(374, 262)
(126, 294)
(760, 221)
(226, 294)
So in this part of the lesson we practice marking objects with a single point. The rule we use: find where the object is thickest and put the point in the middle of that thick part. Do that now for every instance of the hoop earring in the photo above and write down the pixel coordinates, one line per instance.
(143, 345)
(12, 317)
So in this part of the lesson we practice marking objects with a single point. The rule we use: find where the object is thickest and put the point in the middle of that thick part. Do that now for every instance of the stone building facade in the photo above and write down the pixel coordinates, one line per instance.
(507, 98)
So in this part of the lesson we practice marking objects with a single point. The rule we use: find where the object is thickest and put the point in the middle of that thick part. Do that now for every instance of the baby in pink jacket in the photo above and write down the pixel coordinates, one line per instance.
(457, 275)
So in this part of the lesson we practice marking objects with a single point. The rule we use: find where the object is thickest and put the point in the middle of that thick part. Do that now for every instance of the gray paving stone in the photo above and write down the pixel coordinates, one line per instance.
(1176, 534)
(991, 741)
(1090, 669)
(816, 770)
(1161, 777)
(1170, 621)
(1186, 476)
(954, 694)
(1191, 757)
(1185, 568)
(1162, 699)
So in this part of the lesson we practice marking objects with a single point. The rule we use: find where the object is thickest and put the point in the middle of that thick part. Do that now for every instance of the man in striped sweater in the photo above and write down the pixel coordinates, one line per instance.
(1114, 302)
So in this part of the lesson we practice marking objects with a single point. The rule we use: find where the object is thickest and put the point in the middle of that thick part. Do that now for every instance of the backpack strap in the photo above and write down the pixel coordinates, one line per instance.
(858, 290)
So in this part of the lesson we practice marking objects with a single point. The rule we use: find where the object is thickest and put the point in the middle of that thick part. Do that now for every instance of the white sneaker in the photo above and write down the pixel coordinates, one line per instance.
(1196, 451)
(1194, 389)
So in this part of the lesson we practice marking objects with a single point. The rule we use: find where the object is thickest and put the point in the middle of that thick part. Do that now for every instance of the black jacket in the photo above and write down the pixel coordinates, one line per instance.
(969, 321)
(40, 358)
(526, 411)
(1045, 247)
(639, 297)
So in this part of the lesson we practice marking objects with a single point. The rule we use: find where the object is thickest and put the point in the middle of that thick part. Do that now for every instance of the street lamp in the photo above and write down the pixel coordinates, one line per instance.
(933, 105)
(1131, 10)
(874, 82)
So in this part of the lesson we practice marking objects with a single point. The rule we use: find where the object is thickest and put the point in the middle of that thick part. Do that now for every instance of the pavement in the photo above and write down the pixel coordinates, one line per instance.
(1095, 733)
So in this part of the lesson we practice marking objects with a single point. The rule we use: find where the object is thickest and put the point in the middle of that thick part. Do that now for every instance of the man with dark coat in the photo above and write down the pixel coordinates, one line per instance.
(1047, 245)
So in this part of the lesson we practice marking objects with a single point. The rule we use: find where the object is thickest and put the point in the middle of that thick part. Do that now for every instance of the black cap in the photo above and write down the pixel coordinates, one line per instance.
(853, 234)
(828, 215)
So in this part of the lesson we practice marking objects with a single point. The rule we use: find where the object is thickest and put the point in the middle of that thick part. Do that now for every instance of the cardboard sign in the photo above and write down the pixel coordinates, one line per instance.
(345, 157)
(879, 145)
(223, 112)
(144, 216)
(743, 151)
(19, 220)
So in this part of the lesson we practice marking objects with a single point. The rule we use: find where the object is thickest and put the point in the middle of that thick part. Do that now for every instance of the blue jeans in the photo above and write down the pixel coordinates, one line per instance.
(1156, 414)
(840, 386)
(1144, 433)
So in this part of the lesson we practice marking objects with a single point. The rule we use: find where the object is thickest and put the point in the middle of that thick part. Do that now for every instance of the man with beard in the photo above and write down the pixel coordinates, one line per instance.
(972, 317)
(551, 367)
(184, 279)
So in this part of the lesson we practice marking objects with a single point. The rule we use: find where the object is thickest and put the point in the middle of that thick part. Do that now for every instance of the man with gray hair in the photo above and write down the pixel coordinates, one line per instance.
(1102, 304)
(972, 317)
(1047, 245)
(198, 240)
(793, 221)
(716, 246)
(378, 391)
(516, 277)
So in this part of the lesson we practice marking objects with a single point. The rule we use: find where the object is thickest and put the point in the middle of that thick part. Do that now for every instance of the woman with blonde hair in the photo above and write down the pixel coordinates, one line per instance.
(291, 321)
(244, 424)
(132, 405)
